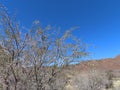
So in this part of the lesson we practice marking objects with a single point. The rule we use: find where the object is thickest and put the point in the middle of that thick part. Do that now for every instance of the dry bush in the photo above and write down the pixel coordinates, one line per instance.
(92, 80)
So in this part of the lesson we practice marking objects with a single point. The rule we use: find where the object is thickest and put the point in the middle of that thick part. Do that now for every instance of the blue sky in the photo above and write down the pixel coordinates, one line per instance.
(99, 20)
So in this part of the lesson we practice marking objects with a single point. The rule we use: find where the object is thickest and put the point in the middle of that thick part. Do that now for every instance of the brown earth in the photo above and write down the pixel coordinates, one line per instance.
(103, 64)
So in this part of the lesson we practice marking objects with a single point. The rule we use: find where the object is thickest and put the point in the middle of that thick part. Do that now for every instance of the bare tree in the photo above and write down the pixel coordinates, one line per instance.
(34, 60)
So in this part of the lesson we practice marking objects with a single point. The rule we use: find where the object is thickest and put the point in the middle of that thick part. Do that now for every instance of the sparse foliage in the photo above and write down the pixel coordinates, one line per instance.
(35, 59)
(92, 80)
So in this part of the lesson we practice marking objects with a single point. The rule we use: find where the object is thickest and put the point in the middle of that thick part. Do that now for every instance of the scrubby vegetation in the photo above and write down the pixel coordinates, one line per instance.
(40, 58)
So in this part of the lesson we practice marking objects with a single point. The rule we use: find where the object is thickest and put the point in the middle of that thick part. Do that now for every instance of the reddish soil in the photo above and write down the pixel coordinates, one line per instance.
(104, 64)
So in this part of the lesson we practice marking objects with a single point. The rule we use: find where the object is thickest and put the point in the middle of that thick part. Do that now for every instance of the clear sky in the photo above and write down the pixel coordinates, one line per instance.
(99, 20)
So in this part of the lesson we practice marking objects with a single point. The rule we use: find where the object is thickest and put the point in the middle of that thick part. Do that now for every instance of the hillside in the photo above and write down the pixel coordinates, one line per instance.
(103, 64)
(92, 73)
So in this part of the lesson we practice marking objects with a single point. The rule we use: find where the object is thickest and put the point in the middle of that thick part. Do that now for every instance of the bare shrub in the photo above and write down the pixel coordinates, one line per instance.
(92, 80)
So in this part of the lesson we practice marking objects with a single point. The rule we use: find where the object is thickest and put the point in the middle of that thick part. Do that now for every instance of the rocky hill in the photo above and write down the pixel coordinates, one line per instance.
(103, 64)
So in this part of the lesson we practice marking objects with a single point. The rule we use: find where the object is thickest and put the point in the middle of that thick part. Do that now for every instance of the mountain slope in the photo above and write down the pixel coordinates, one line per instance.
(103, 64)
